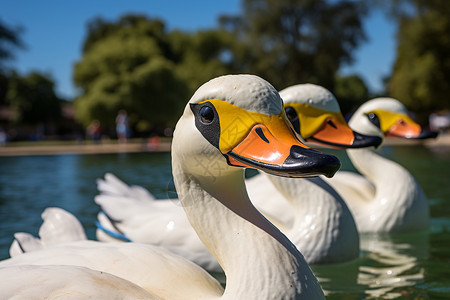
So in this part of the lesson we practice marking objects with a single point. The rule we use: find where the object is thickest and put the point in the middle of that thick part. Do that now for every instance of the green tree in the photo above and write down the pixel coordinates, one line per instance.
(292, 41)
(351, 92)
(136, 65)
(3, 88)
(9, 39)
(201, 56)
(33, 99)
(124, 66)
(422, 68)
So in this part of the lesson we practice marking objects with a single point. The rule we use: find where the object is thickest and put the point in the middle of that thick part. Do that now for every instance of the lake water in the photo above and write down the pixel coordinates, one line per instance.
(404, 266)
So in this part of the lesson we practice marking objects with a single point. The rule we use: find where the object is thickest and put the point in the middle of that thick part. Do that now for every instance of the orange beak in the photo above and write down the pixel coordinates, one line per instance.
(326, 127)
(401, 125)
(281, 153)
(338, 134)
(404, 129)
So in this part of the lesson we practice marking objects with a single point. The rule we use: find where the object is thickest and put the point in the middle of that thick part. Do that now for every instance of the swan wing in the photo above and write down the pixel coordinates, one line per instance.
(160, 222)
(156, 222)
(24, 242)
(58, 227)
(111, 185)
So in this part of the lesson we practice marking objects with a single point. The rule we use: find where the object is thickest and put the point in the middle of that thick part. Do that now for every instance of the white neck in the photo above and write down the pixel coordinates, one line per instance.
(399, 202)
(258, 260)
(324, 228)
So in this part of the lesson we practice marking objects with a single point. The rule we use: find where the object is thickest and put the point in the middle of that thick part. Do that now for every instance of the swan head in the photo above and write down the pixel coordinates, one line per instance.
(239, 121)
(315, 114)
(387, 117)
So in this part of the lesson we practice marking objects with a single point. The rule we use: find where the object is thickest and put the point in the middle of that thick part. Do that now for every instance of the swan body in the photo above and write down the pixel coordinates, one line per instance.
(332, 240)
(111, 258)
(258, 260)
(386, 197)
(65, 282)
(146, 266)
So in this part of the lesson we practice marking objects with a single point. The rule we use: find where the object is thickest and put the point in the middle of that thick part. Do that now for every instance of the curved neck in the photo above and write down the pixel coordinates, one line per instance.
(298, 193)
(399, 202)
(242, 240)
(323, 222)
(377, 169)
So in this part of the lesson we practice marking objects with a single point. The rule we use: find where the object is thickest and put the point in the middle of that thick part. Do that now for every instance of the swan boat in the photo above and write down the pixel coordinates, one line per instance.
(308, 211)
(385, 197)
(258, 260)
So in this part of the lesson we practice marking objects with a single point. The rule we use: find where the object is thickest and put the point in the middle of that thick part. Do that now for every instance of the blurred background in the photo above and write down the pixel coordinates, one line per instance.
(95, 70)
(83, 73)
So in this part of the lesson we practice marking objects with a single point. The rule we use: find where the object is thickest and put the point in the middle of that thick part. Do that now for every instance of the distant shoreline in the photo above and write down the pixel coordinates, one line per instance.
(163, 146)
(100, 148)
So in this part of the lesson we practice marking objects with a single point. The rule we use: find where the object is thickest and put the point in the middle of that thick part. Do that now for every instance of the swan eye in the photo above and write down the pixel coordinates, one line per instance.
(207, 121)
(374, 119)
(291, 114)
(206, 114)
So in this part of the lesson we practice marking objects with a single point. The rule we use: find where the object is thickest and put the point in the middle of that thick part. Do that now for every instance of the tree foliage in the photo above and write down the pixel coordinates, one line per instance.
(9, 38)
(200, 55)
(136, 65)
(119, 66)
(351, 92)
(33, 99)
(422, 68)
(292, 41)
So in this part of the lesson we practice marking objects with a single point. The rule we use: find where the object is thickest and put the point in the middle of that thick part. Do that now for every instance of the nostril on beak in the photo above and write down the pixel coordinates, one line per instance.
(260, 133)
(332, 124)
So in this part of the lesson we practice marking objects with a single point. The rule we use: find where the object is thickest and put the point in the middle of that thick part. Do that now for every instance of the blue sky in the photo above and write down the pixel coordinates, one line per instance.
(54, 31)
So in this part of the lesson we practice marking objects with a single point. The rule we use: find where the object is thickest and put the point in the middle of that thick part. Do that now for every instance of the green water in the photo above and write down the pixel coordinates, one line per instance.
(407, 266)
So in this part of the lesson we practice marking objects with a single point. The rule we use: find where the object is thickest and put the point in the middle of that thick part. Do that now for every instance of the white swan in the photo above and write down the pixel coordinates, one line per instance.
(315, 114)
(310, 207)
(258, 260)
(314, 216)
(386, 197)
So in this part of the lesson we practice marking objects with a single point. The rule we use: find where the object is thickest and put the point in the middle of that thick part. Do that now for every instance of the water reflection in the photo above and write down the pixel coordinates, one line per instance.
(388, 265)
(398, 263)
(29, 184)
(402, 265)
